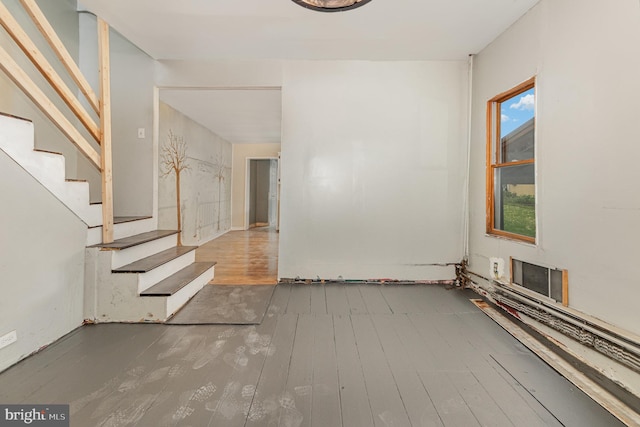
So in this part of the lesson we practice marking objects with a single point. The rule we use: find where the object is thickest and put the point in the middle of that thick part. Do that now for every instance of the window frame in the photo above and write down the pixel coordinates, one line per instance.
(494, 160)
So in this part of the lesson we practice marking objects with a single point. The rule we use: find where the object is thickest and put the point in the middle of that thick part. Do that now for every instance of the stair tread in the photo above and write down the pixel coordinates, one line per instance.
(177, 281)
(138, 239)
(156, 260)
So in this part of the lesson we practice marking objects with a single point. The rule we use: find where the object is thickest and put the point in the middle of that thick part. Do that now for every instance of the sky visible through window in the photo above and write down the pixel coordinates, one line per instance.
(516, 111)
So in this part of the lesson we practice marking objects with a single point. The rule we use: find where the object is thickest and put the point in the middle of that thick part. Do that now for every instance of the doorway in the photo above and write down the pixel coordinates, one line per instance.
(261, 193)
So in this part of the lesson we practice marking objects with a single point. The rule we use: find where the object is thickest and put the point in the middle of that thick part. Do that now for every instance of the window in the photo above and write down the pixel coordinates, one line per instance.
(511, 207)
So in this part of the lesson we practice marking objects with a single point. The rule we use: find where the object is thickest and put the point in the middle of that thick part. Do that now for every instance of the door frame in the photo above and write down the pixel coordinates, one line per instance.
(247, 189)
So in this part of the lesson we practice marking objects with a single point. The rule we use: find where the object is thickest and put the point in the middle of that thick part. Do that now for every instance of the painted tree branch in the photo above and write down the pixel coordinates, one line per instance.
(219, 173)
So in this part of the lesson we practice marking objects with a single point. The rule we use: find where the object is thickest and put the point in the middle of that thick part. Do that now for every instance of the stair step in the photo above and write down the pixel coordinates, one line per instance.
(75, 180)
(138, 239)
(156, 260)
(177, 281)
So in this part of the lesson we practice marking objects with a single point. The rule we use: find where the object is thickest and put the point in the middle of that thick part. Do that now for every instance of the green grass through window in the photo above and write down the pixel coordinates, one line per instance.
(520, 218)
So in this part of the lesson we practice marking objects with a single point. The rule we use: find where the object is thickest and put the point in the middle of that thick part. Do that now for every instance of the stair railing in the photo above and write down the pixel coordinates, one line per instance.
(101, 132)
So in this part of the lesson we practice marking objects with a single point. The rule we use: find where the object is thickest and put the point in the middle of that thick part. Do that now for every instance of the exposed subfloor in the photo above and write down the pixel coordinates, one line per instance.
(325, 355)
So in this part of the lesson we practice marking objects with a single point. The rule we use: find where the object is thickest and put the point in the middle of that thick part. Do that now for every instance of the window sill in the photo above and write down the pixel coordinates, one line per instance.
(512, 239)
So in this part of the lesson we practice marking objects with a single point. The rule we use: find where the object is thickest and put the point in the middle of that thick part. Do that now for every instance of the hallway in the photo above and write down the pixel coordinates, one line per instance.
(244, 257)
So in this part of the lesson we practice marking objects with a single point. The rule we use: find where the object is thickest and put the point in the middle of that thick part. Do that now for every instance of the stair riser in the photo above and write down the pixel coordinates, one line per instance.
(131, 228)
(127, 256)
(180, 298)
(146, 280)
(118, 301)
(120, 231)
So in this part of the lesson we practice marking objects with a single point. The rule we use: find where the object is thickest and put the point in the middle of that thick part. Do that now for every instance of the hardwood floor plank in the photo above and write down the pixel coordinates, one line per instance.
(417, 402)
(116, 397)
(407, 298)
(354, 298)
(300, 378)
(300, 300)
(356, 411)
(15, 381)
(271, 401)
(337, 302)
(236, 389)
(427, 361)
(509, 400)
(66, 378)
(445, 358)
(451, 407)
(373, 299)
(318, 299)
(386, 404)
(244, 257)
(568, 403)
(483, 407)
(395, 298)
(279, 300)
(326, 410)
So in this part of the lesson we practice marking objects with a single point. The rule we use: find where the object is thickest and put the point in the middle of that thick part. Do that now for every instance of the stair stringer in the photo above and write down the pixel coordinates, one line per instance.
(17, 141)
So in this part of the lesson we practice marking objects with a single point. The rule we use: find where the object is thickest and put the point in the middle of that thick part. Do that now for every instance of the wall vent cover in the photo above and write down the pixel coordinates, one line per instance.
(550, 282)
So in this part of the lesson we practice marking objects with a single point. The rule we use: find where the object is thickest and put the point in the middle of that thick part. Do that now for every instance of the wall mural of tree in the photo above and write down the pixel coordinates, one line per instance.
(205, 191)
(173, 160)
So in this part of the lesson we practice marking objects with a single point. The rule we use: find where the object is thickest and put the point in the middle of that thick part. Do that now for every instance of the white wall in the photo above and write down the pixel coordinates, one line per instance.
(372, 169)
(241, 152)
(132, 86)
(41, 241)
(41, 264)
(205, 199)
(585, 56)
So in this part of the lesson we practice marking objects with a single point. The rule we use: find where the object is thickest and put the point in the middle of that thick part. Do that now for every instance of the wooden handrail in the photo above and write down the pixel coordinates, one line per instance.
(31, 89)
(29, 48)
(62, 53)
(102, 106)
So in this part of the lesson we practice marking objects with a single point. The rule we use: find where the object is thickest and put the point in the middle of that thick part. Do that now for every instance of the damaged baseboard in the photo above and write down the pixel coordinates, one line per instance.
(610, 353)
(319, 281)
(623, 409)
(615, 346)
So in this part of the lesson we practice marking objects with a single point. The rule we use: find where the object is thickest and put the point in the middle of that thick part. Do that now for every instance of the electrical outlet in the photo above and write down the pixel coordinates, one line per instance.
(141, 133)
(496, 268)
(9, 338)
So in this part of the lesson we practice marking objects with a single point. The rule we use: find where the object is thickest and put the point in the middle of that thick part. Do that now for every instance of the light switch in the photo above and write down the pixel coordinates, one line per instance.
(141, 133)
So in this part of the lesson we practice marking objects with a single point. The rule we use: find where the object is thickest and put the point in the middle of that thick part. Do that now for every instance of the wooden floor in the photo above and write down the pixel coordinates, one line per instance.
(243, 257)
(325, 356)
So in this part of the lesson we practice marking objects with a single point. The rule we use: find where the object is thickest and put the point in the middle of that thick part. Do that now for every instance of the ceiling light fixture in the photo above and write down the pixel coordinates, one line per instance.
(331, 5)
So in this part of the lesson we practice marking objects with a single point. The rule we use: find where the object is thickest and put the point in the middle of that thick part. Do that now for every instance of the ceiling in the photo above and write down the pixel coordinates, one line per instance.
(239, 116)
(383, 30)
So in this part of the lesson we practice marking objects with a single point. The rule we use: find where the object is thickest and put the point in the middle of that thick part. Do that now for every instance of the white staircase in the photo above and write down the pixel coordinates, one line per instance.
(142, 276)
(16, 139)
